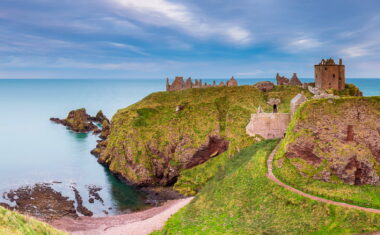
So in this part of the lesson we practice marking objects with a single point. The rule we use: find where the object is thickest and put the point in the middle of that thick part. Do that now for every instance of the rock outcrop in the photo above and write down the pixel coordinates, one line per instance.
(79, 121)
(338, 138)
(41, 201)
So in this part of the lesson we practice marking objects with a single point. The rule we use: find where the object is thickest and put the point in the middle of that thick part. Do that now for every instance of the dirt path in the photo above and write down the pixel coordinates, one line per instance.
(139, 223)
(272, 177)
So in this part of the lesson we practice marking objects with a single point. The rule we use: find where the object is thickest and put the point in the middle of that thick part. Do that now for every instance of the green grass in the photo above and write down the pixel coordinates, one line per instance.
(16, 224)
(241, 200)
(153, 123)
(350, 90)
(365, 195)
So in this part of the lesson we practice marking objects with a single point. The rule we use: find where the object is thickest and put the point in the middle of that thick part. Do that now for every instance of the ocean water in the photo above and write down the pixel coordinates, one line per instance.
(35, 150)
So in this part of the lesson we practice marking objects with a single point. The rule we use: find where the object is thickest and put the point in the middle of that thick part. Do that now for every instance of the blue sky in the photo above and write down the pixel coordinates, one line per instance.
(198, 38)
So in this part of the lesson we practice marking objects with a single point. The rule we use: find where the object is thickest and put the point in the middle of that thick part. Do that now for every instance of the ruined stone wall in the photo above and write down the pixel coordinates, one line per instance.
(268, 125)
(180, 84)
(330, 76)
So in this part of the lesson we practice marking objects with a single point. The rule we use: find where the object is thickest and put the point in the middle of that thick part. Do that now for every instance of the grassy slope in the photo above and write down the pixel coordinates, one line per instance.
(218, 110)
(242, 200)
(366, 195)
(14, 223)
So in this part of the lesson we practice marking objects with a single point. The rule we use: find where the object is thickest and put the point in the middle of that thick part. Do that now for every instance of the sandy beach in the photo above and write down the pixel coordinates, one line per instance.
(143, 222)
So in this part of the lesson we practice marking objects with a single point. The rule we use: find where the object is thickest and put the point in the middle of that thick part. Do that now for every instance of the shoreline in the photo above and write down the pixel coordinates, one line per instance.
(142, 222)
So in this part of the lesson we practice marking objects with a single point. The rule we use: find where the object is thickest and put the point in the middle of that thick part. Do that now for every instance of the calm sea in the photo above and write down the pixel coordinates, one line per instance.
(34, 150)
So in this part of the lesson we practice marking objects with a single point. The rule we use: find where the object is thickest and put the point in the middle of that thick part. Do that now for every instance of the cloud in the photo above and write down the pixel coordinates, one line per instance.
(169, 14)
(128, 47)
(67, 63)
(304, 44)
(355, 51)
(368, 47)
(239, 34)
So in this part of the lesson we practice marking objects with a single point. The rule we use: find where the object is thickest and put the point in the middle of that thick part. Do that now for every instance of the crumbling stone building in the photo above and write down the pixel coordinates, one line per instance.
(294, 81)
(329, 75)
(180, 84)
(268, 125)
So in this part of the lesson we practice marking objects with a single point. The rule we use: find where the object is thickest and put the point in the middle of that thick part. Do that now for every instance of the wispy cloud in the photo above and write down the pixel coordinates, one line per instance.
(67, 63)
(171, 14)
(304, 43)
(355, 51)
(128, 47)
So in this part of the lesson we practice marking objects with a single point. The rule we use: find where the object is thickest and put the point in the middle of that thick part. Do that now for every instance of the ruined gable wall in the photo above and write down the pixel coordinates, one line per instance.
(268, 125)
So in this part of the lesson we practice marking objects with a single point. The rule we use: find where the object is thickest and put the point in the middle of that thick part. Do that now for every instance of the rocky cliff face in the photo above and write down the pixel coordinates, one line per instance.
(152, 141)
(337, 140)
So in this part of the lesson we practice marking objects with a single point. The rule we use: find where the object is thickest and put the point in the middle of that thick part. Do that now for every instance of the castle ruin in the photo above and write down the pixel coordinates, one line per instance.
(268, 125)
(294, 81)
(273, 125)
(180, 84)
(329, 75)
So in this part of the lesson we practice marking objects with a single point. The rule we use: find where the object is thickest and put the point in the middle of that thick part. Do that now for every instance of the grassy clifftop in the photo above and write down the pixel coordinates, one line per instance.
(154, 140)
(323, 156)
(14, 223)
(241, 200)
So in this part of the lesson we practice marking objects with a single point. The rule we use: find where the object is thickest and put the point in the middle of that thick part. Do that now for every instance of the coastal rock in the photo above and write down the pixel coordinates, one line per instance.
(77, 120)
(165, 169)
(99, 118)
(41, 201)
(100, 147)
(265, 86)
(80, 207)
(106, 126)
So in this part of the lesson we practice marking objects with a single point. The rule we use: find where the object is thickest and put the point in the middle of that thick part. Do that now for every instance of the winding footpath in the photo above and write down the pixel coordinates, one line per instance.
(272, 177)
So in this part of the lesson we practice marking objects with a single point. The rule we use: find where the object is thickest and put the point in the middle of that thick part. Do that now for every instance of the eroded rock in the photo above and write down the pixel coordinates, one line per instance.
(77, 120)
(338, 138)
(41, 201)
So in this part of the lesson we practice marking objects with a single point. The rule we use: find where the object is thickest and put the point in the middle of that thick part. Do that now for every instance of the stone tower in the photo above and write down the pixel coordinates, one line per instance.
(329, 75)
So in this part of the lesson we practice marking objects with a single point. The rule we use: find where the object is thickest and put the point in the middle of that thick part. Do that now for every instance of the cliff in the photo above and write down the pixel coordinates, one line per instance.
(334, 143)
(169, 134)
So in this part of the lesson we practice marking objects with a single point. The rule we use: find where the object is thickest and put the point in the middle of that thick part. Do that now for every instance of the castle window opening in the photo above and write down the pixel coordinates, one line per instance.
(325, 68)
(275, 108)
(334, 75)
